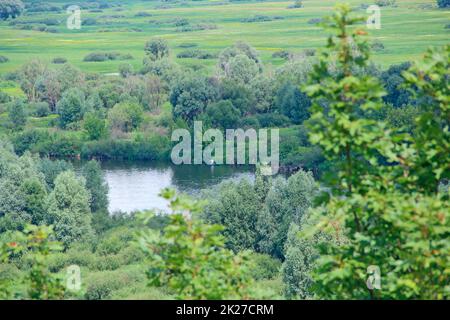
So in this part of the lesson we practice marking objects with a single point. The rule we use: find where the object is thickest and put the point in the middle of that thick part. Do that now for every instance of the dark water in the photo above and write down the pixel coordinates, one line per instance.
(135, 185)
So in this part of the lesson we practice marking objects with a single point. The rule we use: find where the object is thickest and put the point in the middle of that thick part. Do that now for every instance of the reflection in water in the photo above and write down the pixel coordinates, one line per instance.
(135, 185)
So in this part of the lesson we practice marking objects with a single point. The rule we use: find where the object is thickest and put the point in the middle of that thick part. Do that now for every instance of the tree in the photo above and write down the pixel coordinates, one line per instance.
(155, 92)
(300, 255)
(22, 190)
(51, 169)
(240, 95)
(157, 49)
(10, 9)
(236, 206)
(96, 185)
(29, 77)
(287, 201)
(393, 83)
(387, 199)
(54, 82)
(443, 3)
(94, 126)
(293, 103)
(125, 70)
(263, 88)
(189, 256)
(190, 96)
(36, 244)
(68, 209)
(223, 114)
(71, 107)
(125, 116)
(241, 68)
(239, 48)
(17, 115)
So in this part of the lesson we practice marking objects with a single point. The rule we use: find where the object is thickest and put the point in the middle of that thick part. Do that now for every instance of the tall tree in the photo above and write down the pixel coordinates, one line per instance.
(10, 9)
(96, 185)
(68, 209)
(157, 49)
(386, 201)
(17, 115)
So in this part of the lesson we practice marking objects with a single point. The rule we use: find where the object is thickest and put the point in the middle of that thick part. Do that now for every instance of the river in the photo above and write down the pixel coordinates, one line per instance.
(135, 185)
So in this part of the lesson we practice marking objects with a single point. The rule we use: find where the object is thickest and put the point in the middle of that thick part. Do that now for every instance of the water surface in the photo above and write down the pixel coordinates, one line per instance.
(135, 185)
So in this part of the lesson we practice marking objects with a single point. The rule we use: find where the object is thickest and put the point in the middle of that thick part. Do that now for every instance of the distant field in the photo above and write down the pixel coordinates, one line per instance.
(407, 30)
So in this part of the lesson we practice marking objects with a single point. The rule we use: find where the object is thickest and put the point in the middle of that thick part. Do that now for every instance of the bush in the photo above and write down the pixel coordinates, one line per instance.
(443, 3)
(315, 20)
(271, 120)
(377, 46)
(89, 22)
(261, 18)
(142, 14)
(40, 109)
(385, 3)
(156, 148)
(284, 54)
(4, 97)
(59, 60)
(106, 56)
(265, 267)
(3, 59)
(197, 54)
(197, 27)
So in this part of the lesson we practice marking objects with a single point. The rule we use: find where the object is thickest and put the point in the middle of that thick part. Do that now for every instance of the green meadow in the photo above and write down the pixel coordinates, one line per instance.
(406, 31)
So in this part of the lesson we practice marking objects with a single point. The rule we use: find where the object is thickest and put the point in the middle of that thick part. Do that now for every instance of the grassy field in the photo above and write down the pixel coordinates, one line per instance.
(407, 30)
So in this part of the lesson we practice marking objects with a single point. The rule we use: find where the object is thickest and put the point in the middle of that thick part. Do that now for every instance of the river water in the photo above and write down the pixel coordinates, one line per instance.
(135, 185)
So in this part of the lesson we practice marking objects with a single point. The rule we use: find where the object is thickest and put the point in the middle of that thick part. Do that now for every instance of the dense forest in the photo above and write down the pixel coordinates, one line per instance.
(364, 150)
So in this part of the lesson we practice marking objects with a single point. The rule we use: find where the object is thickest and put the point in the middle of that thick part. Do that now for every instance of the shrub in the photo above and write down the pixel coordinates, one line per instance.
(3, 59)
(315, 20)
(385, 3)
(443, 3)
(142, 14)
(4, 97)
(59, 60)
(105, 56)
(271, 120)
(40, 109)
(197, 54)
(264, 266)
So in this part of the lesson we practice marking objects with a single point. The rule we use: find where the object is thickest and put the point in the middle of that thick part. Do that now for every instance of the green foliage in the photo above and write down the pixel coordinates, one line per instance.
(293, 103)
(236, 206)
(241, 69)
(125, 116)
(265, 266)
(17, 115)
(68, 209)
(10, 9)
(222, 114)
(287, 201)
(393, 81)
(386, 201)
(443, 3)
(157, 49)
(22, 191)
(36, 243)
(71, 107)
(190, 95)
(189, 256)
(96, 185)
(94, 126)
